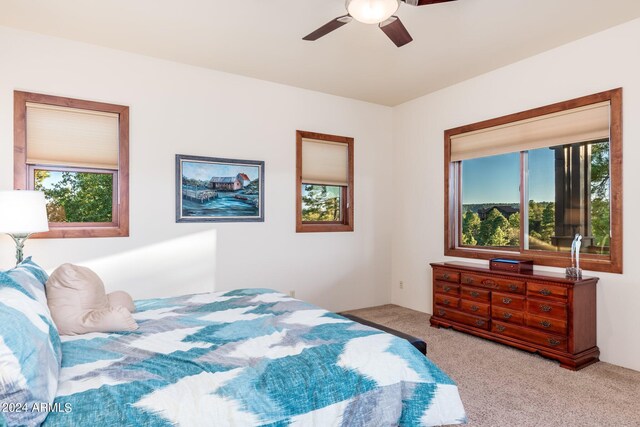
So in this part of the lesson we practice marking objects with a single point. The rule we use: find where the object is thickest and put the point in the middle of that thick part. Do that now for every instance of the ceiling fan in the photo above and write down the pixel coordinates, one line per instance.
(379, 12)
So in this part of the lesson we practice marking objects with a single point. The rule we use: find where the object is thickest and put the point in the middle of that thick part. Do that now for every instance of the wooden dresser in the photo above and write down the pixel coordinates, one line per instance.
(546, 313)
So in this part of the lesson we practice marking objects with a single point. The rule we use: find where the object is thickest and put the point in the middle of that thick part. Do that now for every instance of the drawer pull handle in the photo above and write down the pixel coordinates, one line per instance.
(506, 300)
(446, 302)
(545, 324)
(500, 328)
(441, 312)
(445, 276)
(446, 289)
(507, 315)
(474, 294)
(546, 292)
(469, 280)
(480, 322)
(553, 342)
(475, 308)
(545, 308)
(513, 287)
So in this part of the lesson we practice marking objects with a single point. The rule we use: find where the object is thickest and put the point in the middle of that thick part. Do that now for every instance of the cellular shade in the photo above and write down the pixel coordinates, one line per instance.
(325, 163)
(64, 136)
(582, 124)
(23, 212)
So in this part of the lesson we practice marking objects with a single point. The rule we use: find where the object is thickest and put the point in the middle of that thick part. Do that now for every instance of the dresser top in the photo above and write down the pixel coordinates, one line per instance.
(527, 275)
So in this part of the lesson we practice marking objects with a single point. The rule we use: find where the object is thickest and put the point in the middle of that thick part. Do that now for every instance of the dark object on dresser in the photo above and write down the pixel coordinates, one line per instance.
(514, 265)
(546, 313)
(416, 342)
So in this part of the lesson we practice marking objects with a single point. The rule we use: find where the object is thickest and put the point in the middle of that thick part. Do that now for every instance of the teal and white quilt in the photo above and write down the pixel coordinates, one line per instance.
(248, 357)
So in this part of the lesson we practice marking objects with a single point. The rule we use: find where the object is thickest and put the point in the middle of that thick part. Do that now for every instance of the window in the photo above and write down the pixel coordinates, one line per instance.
(523, 185)
(486, 222)
(77, 153)
(324, 182)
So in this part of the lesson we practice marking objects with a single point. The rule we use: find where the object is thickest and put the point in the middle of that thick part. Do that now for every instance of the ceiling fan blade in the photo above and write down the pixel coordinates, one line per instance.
(424, 2)
(396, 31)
(328, 27)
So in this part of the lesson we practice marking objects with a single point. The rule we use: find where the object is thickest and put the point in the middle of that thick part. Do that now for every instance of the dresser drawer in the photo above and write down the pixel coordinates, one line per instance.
(447, 276)
(507, 315)
(543, 290)
(475, 308)
(545, 308)
(510, 301)
(475, 294)
(447, 288)
(555, 342)
(546, 324)
(447, 300)
(467, 319)
(497, 284)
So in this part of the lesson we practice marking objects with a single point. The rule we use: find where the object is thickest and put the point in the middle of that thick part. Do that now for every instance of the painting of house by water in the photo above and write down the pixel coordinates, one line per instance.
(229, 183)
(215, 189)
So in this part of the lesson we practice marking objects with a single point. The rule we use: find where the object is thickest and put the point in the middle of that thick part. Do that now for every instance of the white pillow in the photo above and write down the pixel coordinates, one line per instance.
(79, 305)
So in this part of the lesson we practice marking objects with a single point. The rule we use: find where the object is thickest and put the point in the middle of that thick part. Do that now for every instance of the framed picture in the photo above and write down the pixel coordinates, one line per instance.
(210, 189)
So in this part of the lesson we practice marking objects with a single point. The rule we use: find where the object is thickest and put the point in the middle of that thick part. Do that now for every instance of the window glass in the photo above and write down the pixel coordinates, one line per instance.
(321, 203)
(76, 196)
(542, 197)
(491, 201)
(600, 185)
(569, 194)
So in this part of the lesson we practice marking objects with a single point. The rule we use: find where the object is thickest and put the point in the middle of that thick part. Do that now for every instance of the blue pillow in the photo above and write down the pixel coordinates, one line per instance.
(30, 351)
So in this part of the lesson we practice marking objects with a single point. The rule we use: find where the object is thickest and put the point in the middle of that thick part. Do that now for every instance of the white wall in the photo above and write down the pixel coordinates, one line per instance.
(600, 62)
(187, 110)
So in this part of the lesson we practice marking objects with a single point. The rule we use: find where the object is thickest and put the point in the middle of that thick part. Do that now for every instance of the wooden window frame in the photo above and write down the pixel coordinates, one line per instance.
(22, 179)
(346, 224)
(453, 189)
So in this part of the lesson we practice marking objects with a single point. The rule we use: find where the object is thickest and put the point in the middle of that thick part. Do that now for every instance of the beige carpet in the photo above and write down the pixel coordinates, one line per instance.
(502, 386)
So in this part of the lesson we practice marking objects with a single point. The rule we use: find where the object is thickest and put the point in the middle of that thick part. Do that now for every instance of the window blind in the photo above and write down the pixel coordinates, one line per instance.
(65, 136)
(325, 163)
(582, 124)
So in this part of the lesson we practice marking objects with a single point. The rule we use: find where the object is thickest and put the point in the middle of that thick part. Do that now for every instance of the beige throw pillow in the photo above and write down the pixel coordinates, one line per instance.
(79, 305)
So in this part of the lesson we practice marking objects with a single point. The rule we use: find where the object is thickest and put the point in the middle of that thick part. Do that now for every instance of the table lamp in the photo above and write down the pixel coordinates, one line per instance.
(22, 213)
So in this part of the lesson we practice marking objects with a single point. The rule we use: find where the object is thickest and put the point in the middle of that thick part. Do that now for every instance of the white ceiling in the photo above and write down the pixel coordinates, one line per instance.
(262, 38)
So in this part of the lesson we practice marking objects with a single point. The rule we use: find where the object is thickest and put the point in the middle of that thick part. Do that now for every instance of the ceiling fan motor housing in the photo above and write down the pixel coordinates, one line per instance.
(372, 11)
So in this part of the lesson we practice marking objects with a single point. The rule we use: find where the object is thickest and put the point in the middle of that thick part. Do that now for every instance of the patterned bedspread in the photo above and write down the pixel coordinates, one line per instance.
(245, 358)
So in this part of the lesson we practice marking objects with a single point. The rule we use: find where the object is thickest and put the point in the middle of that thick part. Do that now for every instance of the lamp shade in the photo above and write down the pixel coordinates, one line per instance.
(372, 11)
(23, 212)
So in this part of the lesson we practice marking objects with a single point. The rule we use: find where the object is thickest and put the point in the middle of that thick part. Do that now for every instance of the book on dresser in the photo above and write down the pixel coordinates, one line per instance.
(541, 312)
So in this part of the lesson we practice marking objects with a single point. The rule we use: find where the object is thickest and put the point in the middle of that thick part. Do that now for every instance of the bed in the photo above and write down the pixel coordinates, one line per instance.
(247, 357)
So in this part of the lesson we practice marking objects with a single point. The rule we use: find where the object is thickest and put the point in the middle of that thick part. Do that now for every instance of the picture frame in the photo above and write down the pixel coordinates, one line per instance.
(213, 189)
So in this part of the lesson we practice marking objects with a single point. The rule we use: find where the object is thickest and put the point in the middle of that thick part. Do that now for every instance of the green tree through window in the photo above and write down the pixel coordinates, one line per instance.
(470, 228)
(321, 203)
(600, 199)
(76, 196)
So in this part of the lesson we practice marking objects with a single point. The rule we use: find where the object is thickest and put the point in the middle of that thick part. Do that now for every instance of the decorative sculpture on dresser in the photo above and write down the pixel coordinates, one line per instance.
(575, 270)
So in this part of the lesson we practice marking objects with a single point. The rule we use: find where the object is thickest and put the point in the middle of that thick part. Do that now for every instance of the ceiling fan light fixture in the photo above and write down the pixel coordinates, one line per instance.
(372, 11)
